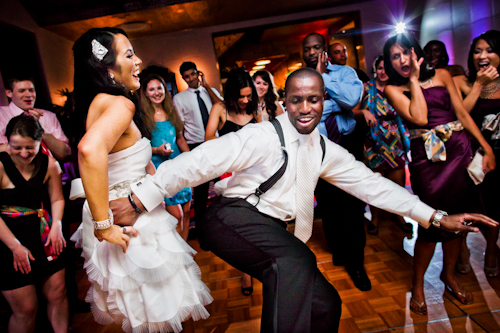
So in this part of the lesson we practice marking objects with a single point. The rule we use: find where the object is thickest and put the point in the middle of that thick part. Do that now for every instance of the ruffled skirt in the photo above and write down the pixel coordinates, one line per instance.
(153, 287)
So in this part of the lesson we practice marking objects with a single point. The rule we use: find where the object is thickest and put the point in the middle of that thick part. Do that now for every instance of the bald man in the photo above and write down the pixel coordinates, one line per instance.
(247, 228)
(343, 89)
(338, 56)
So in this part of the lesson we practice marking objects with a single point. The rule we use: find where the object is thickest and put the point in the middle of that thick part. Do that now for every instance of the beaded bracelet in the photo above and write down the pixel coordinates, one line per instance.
(101, 225)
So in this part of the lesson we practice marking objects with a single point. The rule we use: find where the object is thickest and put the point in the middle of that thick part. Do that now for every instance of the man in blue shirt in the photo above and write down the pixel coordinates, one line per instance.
(342, 214)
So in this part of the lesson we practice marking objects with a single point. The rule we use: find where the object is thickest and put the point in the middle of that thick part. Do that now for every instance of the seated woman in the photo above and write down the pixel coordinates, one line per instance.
(482, 90)
(269, 107)
(142, 276)
(387, 143)
(238, 109)
(428, 102)
(28, 250)
(167, 142)
(437, 57)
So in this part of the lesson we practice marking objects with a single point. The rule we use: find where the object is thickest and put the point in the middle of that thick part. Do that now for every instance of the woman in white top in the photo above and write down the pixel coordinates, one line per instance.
(269, 107)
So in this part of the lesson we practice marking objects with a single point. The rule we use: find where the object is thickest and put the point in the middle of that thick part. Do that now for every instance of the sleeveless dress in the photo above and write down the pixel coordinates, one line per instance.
(388, 152)
(165, 133)
(230, 126)
(29, 194)
(489, 187)
(443, 185)
(156, 285)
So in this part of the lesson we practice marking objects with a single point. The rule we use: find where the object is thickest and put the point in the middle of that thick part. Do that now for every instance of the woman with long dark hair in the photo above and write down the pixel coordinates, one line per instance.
(482, 90)
(143, 276)
(28, 250)
(269, 107)
(428, 102)
(239, 107)
(387, 142)
(167, 142)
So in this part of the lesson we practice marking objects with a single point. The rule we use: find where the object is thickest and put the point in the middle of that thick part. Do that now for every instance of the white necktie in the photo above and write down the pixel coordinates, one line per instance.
(304, 195)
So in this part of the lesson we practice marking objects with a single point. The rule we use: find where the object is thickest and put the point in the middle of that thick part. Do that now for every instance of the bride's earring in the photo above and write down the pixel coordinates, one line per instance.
(112, 77)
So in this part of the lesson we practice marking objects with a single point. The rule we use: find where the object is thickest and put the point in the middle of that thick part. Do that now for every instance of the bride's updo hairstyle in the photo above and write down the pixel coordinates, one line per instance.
(94, 53)
(407, 42)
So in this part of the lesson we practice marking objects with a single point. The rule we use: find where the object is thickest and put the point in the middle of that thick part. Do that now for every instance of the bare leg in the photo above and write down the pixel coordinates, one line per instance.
(422, 257)
(54, 291)
(185, 220)
(176, 211)
(246, 282)
(463, 262)
(490, 256)
(397, 176)
(451, 249)
(23, 303)
(373, 225)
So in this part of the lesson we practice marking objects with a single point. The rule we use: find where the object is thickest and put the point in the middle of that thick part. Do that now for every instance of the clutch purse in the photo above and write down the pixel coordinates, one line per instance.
(475, 168)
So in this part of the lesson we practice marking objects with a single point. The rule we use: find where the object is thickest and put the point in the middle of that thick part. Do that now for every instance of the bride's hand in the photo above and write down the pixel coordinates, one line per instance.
(116, 235)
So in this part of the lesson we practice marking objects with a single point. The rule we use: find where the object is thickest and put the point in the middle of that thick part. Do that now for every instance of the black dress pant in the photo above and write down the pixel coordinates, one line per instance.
(200, 195)
(342, 213)
(296, 296)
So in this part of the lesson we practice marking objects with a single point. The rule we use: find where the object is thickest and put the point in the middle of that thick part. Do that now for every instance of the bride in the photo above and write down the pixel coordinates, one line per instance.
(143, 276)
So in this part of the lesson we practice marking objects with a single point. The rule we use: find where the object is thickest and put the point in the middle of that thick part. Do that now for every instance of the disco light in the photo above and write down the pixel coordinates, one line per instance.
(400, 28)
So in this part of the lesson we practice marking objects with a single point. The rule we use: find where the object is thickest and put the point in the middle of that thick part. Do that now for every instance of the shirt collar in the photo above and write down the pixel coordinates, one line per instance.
(15, 109)
(333, 67)
(293, 135)
(200, 89)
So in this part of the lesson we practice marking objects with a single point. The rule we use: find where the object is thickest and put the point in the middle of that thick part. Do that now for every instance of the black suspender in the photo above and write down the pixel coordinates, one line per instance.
(265, 186)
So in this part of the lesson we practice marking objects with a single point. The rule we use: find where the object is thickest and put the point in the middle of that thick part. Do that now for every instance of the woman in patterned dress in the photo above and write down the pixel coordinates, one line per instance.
(386, 144)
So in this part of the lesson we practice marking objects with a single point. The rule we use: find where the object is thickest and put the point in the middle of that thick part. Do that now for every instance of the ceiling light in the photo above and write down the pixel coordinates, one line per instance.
(256, 68)
(135, 26)
(262, 62)
(400, 28)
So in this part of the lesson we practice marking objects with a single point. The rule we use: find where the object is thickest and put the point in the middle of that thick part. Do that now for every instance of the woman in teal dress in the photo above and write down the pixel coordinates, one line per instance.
(167, 142)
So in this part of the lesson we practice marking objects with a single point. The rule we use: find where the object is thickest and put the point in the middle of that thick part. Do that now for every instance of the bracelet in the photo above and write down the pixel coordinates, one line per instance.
(137, 210)
(101, 225)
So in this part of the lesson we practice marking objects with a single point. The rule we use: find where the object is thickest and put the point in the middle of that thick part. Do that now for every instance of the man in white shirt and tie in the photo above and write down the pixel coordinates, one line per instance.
(194, 105)
(249, 232)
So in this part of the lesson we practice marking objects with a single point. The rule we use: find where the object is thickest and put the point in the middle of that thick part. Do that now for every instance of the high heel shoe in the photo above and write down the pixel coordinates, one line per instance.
(491, 272)
(372, 229)
(247, 291)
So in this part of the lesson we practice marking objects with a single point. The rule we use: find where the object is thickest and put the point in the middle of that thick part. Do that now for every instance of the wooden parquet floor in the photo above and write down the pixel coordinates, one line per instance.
(388, 262)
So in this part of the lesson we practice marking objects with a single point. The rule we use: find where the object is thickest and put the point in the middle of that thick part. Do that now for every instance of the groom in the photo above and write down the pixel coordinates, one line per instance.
(248, 229)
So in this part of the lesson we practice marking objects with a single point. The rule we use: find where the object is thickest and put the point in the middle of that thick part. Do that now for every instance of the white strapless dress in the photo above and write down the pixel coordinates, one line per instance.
(156, 285)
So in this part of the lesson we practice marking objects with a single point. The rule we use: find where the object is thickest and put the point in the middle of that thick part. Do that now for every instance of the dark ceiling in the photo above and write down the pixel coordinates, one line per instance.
(71, 18)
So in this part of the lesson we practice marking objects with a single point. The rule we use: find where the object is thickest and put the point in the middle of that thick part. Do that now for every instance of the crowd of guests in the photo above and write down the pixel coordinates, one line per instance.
(417, 111)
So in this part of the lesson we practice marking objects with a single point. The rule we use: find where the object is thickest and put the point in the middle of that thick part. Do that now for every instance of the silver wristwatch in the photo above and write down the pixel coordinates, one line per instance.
(436, 221)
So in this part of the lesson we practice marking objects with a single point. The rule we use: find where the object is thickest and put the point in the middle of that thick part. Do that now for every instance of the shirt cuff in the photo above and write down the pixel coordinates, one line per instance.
(422, 213)
(148, 193)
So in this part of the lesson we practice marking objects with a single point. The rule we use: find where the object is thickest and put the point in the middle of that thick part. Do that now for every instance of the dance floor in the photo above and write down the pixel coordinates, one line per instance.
(388, 262)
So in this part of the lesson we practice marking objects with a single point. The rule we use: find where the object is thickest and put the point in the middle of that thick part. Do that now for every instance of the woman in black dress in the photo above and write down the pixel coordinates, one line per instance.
(29, 246)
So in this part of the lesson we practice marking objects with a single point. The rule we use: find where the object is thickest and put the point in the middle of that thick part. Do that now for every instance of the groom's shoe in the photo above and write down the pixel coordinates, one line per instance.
(359, 277)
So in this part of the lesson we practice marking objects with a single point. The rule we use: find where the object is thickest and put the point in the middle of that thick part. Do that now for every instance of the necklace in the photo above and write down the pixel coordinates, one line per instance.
(426, 82)
(490, 90)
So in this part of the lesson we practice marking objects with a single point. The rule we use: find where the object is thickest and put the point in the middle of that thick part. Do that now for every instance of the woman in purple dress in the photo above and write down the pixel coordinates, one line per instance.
(482, 90)
(428, 102)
